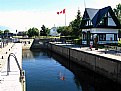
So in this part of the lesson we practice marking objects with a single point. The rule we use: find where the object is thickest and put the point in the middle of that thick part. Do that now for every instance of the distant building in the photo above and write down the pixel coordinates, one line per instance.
(6, 35)
(99, 25)
(53, 32)
(22, 33)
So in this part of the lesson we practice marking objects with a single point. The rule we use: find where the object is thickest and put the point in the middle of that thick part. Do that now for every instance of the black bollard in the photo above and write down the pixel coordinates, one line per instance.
(2, 57)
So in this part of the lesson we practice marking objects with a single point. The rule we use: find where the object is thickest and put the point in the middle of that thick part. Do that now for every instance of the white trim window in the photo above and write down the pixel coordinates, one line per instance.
(102, 37)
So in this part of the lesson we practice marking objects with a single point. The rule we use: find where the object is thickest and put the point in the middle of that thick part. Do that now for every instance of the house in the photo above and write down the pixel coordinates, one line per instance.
(22, 34)
(53, 32)
(99, 26)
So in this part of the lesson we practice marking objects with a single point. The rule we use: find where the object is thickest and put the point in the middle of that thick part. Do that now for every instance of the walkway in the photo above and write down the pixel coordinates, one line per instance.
(10, 82)
(100, 52)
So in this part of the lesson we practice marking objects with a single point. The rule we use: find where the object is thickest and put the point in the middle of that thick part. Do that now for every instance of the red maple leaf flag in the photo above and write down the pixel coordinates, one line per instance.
(61, 12)
(58, 13)
(64, 11)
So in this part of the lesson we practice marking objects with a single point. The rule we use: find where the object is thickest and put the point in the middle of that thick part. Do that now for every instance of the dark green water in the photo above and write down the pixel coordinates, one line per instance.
(46, 71)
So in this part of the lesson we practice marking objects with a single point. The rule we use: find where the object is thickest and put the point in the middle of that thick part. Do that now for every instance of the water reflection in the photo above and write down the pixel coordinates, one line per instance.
(55, 73)
(85, 79)
(27, 54)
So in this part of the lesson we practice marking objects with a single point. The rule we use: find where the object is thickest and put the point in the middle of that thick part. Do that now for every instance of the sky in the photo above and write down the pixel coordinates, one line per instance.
(24, 14)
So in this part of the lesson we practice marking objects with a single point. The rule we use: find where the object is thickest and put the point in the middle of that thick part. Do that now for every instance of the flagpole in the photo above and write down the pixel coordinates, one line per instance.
(84, 4)
(65, 18)
(63, 12)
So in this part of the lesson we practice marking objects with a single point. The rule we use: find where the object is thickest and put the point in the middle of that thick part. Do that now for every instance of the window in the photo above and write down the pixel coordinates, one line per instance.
(115, 37)
(102, 37)
(29, 42)
(104, 21)
(89, 23)
(91, 36)
(84, 36)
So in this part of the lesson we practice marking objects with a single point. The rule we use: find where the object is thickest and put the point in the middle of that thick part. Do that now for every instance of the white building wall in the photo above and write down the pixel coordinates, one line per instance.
(110, 21)
(109, 35)
(100, 30)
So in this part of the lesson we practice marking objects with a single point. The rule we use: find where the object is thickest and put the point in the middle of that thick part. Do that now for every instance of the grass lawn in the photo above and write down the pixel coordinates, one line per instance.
(119, 43)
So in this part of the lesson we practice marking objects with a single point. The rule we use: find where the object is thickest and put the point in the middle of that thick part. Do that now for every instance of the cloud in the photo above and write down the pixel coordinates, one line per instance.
(23, 20)
(104, 3)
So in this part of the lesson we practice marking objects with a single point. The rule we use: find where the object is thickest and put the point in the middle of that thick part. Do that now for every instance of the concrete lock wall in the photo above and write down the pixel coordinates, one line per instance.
(107, 67)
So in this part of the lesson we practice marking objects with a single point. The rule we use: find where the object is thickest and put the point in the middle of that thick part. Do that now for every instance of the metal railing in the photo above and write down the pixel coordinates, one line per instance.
(116, 49)
(22, 72)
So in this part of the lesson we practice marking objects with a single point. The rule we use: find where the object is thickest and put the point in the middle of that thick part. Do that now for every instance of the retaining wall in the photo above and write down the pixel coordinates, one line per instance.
(33, 43)
(107, 67)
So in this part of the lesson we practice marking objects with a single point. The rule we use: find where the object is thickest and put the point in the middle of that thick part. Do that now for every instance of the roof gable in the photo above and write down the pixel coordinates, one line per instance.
(101, 13)
(85, 16)
(91, 12)
(96, 16)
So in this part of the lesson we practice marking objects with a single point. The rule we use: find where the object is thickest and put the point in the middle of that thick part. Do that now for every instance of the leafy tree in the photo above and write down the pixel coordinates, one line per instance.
(76, 25)
(6, 31)
(60, 29)
(117, 12)
(30, 33)
(25, 33)
(1, 32)
(44, 31)
(47, 31)
(66, 31)
(33, 32)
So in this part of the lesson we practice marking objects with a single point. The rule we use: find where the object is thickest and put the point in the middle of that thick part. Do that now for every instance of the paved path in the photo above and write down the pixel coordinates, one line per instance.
(100, 52)
(10, 82)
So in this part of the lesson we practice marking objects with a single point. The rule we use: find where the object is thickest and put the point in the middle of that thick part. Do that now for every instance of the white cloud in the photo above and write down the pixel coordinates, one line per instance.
(23, 20)
(103, 3)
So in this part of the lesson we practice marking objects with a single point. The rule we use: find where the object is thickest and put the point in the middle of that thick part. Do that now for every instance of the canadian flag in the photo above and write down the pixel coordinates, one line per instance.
(62, 12)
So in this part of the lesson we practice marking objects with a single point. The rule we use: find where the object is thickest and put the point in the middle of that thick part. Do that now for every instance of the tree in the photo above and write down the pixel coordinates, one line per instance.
(60, 29)
(25, 33)
(44, 31)
(65, 30)
(117, 12)
(76, 25)
(1, 32)
(33, 32)
(47, 31)
(6, 31)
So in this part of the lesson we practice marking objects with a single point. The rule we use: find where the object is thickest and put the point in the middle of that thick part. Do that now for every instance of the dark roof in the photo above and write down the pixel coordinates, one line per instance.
(96, 15)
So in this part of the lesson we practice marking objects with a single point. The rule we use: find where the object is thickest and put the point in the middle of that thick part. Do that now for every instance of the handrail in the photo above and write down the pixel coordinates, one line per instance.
(8, 64)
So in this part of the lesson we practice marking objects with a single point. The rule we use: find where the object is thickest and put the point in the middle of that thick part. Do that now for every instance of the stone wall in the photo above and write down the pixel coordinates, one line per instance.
(36, 43)
(107, 67)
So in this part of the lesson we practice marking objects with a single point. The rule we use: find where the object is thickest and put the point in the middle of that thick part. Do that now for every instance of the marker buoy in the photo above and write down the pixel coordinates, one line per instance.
(62, 78)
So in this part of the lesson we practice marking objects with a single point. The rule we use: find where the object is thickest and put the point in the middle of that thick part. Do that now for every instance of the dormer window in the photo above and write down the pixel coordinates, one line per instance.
(104, 21)
(89, 22)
